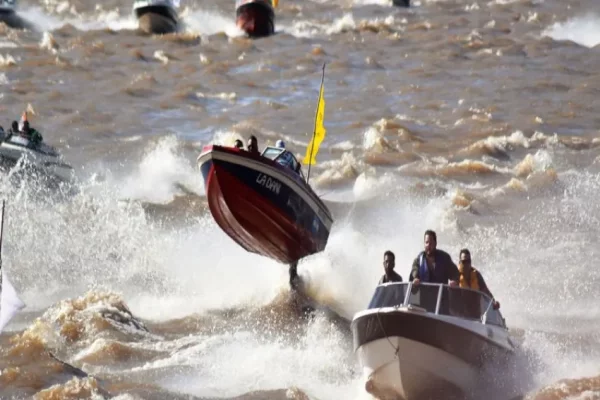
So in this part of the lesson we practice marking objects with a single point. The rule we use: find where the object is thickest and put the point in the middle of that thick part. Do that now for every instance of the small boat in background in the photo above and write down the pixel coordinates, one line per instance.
(8, 15)
(256, 17)
(429, 341)
(39, 157)
(157, 16)
(264, 206)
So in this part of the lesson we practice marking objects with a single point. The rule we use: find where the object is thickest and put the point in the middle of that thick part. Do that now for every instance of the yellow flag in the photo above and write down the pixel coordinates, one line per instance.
(275, 2)
(320, 131)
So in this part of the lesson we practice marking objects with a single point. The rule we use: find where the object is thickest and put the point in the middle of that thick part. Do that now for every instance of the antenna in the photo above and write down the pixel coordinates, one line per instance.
(2, 235)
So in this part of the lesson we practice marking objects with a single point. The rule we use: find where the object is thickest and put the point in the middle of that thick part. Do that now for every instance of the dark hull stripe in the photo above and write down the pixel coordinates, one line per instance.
(455, 340)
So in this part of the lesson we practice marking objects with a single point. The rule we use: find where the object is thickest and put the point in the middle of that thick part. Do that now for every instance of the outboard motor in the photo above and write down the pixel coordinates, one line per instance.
(255, 17)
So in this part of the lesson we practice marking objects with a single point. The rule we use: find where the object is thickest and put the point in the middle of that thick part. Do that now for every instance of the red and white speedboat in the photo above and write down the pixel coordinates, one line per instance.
(262, 201)
(255, 17)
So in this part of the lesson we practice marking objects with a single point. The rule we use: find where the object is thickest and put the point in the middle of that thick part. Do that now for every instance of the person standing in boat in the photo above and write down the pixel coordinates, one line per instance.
(33, 135)
(253, 145)
(287, 159)
(389, 262)
(472, 278)
(13, 130)
(434, 265)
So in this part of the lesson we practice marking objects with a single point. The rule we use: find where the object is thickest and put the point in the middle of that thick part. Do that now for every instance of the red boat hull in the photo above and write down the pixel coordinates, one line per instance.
(273, 223)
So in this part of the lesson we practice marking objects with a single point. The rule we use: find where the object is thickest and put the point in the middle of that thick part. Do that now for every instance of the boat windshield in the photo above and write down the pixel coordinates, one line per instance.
(17, 139)
(283, 157)
(438, 299)
(389, 295)
(272, 152)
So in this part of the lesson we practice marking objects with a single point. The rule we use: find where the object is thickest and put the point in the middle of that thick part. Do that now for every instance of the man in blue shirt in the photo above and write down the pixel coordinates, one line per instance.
(434, 265)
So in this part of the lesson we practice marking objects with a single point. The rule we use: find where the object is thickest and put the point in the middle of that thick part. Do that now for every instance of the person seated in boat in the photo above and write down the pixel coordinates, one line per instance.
(389, 262)
(433, 265)
(14, 129)
(472, 278)
(253, 145)
(286, 158)
(238, 144)
(35, 138)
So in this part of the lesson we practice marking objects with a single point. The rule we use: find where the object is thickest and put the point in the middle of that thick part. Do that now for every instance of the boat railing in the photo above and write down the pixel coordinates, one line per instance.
(438, 299)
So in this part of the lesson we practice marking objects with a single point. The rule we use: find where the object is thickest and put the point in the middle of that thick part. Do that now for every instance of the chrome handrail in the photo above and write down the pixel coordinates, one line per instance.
(484, 316)
(409, 285)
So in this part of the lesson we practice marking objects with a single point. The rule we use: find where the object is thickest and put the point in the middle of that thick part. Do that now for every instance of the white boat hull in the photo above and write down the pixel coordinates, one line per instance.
(417, 372)
(431, 342)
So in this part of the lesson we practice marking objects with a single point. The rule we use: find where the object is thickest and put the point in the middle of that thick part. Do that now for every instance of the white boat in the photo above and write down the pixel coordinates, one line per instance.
(428, 341)
(8, 15)
(157, 16)
(41, 157)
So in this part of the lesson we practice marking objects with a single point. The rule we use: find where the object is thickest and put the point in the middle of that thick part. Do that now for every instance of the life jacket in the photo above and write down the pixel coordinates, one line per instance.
(423, 268)
(472, 283)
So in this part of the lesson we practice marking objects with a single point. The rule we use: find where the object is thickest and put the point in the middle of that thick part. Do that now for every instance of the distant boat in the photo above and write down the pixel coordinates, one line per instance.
(157, 16)
(264, 206)
(8, 15)
(41, 157)
(255, 17)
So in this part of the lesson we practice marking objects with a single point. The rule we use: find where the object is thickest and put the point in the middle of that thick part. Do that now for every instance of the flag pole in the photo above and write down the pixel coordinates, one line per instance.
(1, 237)
(316, 118)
